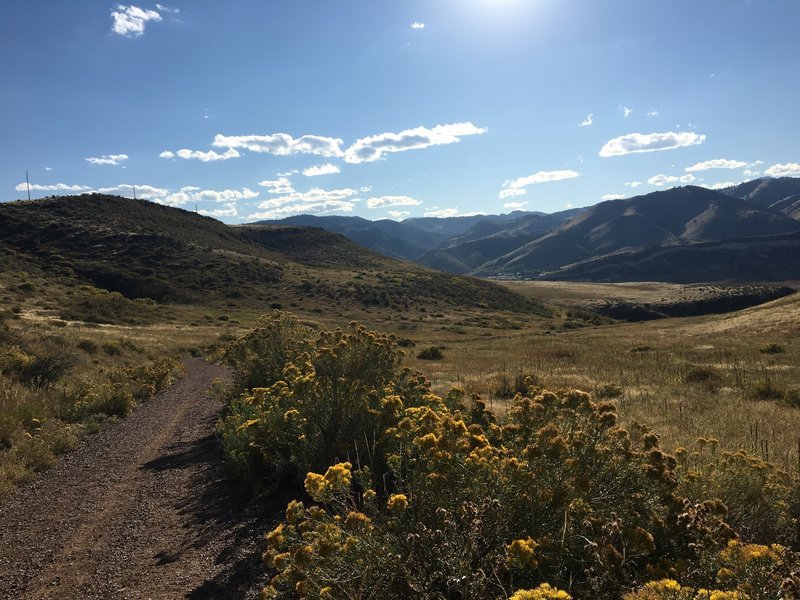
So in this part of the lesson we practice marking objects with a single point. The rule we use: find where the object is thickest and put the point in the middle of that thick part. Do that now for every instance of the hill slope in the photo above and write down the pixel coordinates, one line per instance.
(675, 217)
(145, 250)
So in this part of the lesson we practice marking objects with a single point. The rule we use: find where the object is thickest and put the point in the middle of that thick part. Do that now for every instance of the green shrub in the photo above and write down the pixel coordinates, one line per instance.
(757, 495)
(88, 346)
(772, 349)
(557, 493)
(431, 353)
(334, 400)
(610, 390)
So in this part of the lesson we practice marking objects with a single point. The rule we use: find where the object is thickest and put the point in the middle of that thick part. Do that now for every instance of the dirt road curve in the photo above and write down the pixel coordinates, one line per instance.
(143, 509)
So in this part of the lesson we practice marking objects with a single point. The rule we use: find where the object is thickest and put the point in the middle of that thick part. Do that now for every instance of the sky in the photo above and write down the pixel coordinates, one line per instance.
(261, 109)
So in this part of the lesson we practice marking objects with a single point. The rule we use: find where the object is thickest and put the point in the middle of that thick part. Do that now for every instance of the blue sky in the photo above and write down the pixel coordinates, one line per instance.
(393, 108)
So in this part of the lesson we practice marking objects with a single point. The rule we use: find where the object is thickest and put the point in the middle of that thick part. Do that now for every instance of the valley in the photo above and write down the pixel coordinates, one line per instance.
(128, 291)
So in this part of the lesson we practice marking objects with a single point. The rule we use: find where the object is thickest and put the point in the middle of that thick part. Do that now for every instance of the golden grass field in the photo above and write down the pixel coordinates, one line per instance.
(712, 376)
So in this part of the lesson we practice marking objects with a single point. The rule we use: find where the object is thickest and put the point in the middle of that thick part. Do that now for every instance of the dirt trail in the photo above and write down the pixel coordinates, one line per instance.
(144, 509)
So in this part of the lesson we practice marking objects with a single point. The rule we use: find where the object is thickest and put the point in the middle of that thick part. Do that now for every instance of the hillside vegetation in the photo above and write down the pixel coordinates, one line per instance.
(144, 250)
(444, 498)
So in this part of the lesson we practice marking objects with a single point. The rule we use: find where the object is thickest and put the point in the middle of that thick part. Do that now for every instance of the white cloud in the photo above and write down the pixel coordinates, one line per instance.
(282, 144)
(719, 186)
(143, 191)
(229, 210)
(515, 205)
(56, 187)
(613, 197)
(312, 196)
(163, 8)
(209, 156)
(130, 20)
(373, 147)
(717, 163)
(511, 192)
(633, 184)
(653, 113)
(399, 214)
(223, 195)
(48, 168)
(107, 159)
(167, 154)
(515, 187)
(417, 25)
(659, 180)
(625, 110)
(441, 212)
(650, 142)
(588, 120)
(282, 185)
(385, 201)
(365, 189)
(326, 169)
(315, 208)
(784, 170)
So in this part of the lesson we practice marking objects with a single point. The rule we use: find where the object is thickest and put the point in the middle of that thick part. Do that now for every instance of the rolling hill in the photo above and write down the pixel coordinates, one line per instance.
(168, 255)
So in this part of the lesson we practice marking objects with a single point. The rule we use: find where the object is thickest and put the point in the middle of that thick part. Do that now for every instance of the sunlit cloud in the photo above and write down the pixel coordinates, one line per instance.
(399, 214)
(312, 196)
(228, 210)
(210, 156)
(282, 185)
(417, 25)
(316, 170)
(143, 191)
(55, 187)
(441, 212)
(719, 186)
(516, 187)
(633, 184)
(613, 197)
(282, 144)
(311, 208)
(386, 201)
(373, 147)
(587, 121)
(625, 110)
(783, 170)
(717, 163)
(107, 159)
(650, 142)
(130, 21)
(661, 180)
(515, 205)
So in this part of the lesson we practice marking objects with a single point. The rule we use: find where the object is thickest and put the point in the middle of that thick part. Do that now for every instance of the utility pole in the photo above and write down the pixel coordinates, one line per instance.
(28, 185)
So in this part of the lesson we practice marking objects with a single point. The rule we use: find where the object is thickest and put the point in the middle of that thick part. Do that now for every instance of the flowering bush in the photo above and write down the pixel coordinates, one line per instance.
(416, 496)
(333, 399)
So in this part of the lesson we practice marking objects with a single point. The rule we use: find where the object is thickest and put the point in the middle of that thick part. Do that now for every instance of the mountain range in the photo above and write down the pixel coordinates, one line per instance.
(685, 234)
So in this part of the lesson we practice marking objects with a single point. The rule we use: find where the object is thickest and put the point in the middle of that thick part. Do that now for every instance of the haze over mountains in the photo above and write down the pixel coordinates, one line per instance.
(747, 232)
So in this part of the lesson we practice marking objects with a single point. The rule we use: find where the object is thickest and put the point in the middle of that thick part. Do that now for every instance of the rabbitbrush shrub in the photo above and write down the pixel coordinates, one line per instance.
(412, 496)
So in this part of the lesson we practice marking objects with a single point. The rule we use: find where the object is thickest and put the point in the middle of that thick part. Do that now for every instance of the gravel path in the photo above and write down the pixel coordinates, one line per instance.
(144, 509)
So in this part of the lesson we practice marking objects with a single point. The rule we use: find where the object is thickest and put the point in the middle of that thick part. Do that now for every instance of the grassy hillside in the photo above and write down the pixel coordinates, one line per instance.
(144, 250)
